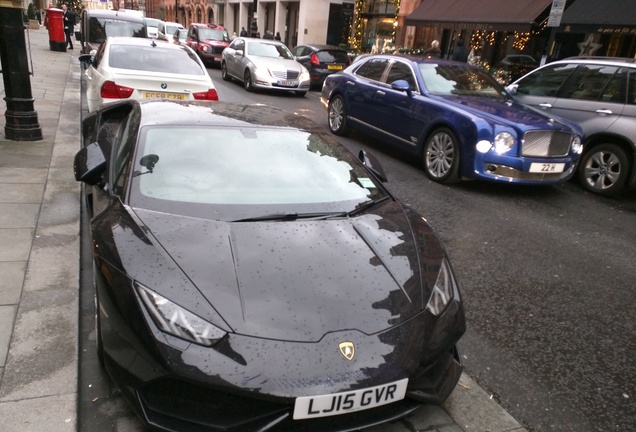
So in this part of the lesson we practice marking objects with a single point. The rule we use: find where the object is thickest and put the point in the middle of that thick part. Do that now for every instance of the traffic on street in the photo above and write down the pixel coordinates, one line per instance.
(546, 272)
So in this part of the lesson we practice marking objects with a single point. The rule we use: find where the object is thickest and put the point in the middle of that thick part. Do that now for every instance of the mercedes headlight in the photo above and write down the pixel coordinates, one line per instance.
(177, 321)
(443, 290)
(503, 142)
(304, 75)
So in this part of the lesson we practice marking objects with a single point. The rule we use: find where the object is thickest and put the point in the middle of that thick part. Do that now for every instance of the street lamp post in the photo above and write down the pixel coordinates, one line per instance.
(21, 118)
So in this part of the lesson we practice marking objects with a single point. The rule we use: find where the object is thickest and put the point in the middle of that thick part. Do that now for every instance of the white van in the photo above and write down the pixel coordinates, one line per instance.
(167, 29)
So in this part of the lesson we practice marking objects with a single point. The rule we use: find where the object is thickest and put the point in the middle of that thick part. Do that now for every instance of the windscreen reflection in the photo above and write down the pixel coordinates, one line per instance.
(247, 166)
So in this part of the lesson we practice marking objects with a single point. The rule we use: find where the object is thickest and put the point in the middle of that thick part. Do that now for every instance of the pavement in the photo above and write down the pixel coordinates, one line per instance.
(40, 273)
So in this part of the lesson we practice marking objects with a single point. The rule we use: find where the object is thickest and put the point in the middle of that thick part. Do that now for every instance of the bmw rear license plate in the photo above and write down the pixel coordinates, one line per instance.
(547, 168)
(288, 83)
(163, 95)
(347, 402)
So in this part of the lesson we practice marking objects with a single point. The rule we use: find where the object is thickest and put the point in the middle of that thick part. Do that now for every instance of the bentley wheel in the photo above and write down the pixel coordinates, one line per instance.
(603, 169)
(337, 116)
(441, 157)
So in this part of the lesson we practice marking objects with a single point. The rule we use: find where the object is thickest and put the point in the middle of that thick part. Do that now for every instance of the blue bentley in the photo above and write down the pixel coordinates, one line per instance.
(455, 117)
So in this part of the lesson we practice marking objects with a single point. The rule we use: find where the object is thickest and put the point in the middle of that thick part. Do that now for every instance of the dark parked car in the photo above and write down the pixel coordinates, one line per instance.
(258, 276)
(454, 117)
(98, 24)
(321, 61)
(599, 93)
(512, 67)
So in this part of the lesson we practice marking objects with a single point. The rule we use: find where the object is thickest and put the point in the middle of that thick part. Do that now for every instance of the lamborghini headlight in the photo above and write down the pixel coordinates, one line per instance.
(503, 142)
(175, 320)
(443, 290)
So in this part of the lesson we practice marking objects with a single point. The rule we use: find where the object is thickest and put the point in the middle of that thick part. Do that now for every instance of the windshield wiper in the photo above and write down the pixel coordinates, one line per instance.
(284, 217)
(366, 206)
(290, 217)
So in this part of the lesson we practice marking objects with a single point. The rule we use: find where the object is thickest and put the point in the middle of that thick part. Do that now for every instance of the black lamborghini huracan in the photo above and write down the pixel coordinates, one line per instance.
(252, 274)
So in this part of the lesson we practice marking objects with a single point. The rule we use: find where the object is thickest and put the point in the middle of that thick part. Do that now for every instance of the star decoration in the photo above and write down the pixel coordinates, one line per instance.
(589, 47)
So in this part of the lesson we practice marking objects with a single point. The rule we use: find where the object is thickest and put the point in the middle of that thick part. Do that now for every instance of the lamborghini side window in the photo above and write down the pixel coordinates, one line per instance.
(124, 151)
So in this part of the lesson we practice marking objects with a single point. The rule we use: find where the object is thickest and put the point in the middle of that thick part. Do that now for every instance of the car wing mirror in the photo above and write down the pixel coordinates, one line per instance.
(90, 164)
(512, 89)
(402, 85)
(373, 165)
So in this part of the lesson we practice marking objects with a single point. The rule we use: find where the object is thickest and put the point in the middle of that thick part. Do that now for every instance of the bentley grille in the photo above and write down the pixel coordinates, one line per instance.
(546, 143)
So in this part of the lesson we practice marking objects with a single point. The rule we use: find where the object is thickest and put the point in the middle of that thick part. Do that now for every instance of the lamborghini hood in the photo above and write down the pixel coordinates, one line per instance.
(299, 280)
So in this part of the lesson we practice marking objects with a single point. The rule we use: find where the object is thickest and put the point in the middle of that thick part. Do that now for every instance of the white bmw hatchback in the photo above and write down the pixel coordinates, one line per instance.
(140, 68)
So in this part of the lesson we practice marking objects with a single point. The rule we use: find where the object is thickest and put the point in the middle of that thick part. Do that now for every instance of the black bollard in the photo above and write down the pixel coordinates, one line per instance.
(21, 118)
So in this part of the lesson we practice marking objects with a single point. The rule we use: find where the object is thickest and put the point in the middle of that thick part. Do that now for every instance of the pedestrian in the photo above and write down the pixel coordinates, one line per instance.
(234, 36)
(38, 16)
(268, 35)
(460, 53)
(434, 50)
(277, 37)
(243, 32)
(258, 35)
(69, 25)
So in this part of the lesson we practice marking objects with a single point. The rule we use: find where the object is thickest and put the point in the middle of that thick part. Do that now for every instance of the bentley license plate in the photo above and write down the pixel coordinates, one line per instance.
(163, 95)
(288, 83)
(346, 402)
(547, 167)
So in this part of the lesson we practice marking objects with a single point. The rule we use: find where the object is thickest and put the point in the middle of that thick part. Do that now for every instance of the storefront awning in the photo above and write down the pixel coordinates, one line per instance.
(490, 15)
(594, 16)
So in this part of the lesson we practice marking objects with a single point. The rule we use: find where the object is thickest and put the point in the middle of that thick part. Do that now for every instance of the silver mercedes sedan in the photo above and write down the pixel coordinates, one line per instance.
(264, 64)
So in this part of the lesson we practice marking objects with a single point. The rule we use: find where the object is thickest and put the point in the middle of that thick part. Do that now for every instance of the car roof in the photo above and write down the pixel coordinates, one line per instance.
(212, 26)
(137, 41)
(122, 14)
(199, 113)
(599, 59)
(411, 58)
(321, 47)
(267, 41)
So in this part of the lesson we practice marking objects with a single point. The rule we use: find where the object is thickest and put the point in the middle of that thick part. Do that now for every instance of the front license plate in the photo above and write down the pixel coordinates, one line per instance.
(334, 67)
(288, 83)
(346, 402)
(163, 95)
(547, 167)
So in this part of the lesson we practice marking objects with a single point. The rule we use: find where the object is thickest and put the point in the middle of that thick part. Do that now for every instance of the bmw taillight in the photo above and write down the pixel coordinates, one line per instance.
(207, 95)
(110, 90)
(314, 59)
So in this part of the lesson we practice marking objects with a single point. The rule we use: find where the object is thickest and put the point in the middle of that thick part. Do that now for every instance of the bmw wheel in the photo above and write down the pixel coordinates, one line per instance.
(441, 156)
(247, 81)
(224, 73)
(337, 116)
(603, 169)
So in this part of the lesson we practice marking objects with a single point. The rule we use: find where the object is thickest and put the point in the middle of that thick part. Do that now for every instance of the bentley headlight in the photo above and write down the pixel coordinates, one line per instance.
(175, 320)
(577, 145)
(503, 142)
(443, 290)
